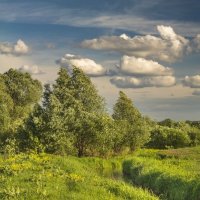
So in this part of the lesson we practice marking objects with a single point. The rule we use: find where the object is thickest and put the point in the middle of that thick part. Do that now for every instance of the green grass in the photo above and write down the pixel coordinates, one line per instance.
(172, 174)
(55, 177)
(182, 153)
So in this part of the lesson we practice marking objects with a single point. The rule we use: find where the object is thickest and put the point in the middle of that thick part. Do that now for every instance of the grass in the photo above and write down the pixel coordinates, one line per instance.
(55, 177)
(182, 153)
(171, 174)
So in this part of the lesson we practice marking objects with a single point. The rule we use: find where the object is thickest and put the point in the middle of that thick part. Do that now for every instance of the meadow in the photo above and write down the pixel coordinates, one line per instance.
(54, 177)
(171, 174)
(144, 175)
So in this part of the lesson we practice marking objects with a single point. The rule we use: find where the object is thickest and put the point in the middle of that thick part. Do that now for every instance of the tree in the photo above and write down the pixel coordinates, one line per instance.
(29, 135)
(22, 88)
(71, 119)
(89, 106)
(85, 92)
(61, 88)
(130, 122)
(164, 137)
(6, 107)
(50, 123)
(56, 135)
(24, 91)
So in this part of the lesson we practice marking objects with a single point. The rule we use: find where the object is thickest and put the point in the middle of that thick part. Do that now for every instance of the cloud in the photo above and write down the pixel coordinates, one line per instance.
(168, 47)
(90, 67)
(31, 69)
(196, 93)
(141, 66)
(135, 17)
(17, 49)
(133, 82)
(196, 43)
(192, 81)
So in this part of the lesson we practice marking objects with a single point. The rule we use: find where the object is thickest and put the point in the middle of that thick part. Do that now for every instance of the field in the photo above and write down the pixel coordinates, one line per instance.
(55, 177)
(148, 174)
(170, 174)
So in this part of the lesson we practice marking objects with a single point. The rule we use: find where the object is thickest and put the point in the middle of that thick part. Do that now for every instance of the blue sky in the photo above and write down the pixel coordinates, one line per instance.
(150, 49)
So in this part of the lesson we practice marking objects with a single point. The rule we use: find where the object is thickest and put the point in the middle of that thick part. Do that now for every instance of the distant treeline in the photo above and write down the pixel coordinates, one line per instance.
(72, 119)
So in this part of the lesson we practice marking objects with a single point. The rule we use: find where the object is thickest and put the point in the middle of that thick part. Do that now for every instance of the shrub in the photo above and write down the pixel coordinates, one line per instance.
(165, 137)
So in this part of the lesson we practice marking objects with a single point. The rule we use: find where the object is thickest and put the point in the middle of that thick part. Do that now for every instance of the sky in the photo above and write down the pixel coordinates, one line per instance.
(150, 49)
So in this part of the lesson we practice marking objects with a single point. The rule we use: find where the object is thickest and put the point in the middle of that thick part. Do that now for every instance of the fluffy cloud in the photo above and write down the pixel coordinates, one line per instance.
(139, 73)
(14, 49)
(168, 47)
(141, 66)
(90, 67)
(31, 69)
(196, 43)
(133, 82)
(192, 81)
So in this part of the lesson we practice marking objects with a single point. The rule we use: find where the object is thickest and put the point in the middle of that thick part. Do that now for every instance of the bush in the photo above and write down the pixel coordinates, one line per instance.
(165, 137)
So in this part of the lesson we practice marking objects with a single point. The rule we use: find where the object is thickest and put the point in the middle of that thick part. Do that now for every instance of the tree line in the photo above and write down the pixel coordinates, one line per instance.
(69, 117)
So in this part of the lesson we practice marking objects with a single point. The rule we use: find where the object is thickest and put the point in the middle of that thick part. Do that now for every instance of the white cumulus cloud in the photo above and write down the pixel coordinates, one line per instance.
(31, 69)
(17, 49)
(133, 82)
(168, 47)
(89, 66)
(196, 43)
(192, 81)
(141, 66)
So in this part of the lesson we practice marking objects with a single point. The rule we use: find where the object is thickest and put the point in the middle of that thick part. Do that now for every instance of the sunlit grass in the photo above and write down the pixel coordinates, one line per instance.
(165, 173)
(57, 177)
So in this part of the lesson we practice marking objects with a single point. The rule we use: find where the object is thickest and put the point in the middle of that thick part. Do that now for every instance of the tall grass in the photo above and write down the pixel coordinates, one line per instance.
(171, 178)
(55, 178)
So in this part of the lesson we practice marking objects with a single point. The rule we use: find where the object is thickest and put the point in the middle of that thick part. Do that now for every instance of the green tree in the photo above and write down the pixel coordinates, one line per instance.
(85, 92)
(164, 137)
(30, 134)
(22, 88)
(56, 135)
(61, 88)
(88, 111)
(50, 123)
(24, 91)
(72, 118)
(6, 107)
(130, 122)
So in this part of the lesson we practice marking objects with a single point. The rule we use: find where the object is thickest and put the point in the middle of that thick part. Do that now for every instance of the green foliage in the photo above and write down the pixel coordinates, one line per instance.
(24, 92)
(165, 137)
(22, 88)
(194, 135)
(18, 94)
(6, 107)
(11, 147)
(71, 119)
(85, 92)
(131, 125)
(30, 135)
(188, 132)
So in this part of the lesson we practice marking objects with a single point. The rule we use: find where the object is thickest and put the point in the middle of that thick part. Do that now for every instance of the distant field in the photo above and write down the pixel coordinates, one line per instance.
(169, 174)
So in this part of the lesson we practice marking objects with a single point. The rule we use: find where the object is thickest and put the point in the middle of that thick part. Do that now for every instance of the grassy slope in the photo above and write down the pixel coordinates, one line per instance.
(55, 177)
(172, 174)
